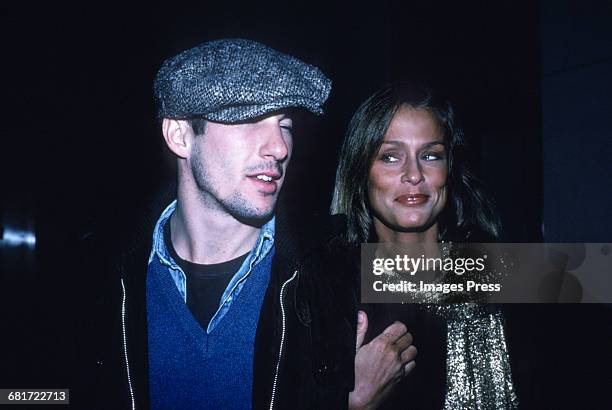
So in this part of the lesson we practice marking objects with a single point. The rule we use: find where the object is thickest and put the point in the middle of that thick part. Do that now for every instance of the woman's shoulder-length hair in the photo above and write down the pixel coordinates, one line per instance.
(468, 214)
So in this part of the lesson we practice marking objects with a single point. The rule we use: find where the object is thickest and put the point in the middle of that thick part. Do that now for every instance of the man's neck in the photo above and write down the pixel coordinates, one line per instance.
(206, 235)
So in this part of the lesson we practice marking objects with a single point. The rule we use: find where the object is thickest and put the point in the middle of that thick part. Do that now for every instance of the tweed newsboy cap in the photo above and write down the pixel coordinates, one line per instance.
(233, 80)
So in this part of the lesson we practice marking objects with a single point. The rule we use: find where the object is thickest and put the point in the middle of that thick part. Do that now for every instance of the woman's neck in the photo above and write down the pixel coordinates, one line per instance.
(424, 242)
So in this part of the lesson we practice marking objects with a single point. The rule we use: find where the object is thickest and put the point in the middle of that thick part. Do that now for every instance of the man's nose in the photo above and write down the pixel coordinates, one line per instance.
(274, 145)
(412, 172)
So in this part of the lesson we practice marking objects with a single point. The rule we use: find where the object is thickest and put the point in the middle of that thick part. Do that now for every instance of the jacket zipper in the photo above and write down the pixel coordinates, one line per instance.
(282, 342)
(125, 353)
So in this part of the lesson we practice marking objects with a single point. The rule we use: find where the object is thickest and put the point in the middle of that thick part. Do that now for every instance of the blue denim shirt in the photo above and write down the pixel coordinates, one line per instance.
(262, 247)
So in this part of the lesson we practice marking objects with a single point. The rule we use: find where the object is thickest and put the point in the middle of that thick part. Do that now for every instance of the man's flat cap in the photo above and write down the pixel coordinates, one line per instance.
(233, 80)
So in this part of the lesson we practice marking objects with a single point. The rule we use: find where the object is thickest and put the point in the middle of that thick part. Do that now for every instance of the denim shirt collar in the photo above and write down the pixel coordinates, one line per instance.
(263, 246)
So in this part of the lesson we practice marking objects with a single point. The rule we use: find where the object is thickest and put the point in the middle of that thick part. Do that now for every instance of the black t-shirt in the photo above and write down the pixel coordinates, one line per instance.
(205, 283)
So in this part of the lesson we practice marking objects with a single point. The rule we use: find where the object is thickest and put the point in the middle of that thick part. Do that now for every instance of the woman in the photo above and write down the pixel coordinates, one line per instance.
(402, 180)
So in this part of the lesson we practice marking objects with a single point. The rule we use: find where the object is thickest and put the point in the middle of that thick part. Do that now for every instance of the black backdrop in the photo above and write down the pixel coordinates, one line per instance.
(82, 131)
(81, 148)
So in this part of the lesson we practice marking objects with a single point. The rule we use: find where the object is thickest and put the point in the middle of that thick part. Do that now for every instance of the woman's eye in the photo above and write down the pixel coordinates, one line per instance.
(390, 158)
(432, 156)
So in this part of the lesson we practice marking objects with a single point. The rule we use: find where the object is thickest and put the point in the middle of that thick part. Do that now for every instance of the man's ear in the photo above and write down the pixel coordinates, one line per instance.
(178, 135)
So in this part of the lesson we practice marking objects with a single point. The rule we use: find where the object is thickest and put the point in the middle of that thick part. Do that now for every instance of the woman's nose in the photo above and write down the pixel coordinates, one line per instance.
(412, 173)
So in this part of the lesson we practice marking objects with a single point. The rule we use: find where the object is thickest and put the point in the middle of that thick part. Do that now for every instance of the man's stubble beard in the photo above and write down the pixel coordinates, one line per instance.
(235, 204)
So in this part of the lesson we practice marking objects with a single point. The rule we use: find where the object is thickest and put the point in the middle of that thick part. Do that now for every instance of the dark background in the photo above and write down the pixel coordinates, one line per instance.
(81, 149)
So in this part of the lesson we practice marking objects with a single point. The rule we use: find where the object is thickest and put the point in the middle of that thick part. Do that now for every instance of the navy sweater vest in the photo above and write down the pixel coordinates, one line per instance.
(190, 369)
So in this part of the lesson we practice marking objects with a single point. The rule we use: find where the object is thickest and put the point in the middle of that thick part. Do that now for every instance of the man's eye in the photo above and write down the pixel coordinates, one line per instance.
(286, 125)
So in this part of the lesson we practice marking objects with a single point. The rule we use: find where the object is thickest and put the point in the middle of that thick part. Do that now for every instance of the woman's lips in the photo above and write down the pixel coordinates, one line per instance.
(412, 199)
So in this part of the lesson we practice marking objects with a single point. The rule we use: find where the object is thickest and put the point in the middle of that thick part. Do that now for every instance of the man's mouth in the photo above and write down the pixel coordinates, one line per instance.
(267, 176)
(266, 182)
(264, 177)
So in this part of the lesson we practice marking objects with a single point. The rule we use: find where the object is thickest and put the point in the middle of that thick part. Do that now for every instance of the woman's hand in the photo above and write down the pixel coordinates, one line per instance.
(380, 364)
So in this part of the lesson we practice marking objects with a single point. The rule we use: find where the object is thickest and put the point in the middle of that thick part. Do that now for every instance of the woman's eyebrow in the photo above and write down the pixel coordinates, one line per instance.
(431, 144)
(426, 145)
(393, 142)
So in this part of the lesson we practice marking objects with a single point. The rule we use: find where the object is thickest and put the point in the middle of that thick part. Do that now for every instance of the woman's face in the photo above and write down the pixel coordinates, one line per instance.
(407, 181)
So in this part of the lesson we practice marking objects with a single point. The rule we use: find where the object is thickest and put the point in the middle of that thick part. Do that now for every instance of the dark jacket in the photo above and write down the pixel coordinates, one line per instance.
(305, 340)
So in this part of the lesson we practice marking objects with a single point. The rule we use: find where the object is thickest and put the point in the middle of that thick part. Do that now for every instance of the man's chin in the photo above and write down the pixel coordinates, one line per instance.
(255, 217)
(250, 211)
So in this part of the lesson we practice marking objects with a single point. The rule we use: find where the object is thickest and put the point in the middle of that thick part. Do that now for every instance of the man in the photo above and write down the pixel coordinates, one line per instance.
(244, 310)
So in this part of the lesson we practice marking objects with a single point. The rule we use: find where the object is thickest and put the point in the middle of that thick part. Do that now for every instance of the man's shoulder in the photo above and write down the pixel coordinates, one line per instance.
(316, 245)
(123, 237)
(301, 234)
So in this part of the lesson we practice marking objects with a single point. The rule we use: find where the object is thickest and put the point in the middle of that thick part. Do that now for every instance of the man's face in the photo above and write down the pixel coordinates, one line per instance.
(240, 168)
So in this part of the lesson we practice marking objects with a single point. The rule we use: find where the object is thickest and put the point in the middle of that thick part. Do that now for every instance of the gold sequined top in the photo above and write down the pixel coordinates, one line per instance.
(478, 374)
